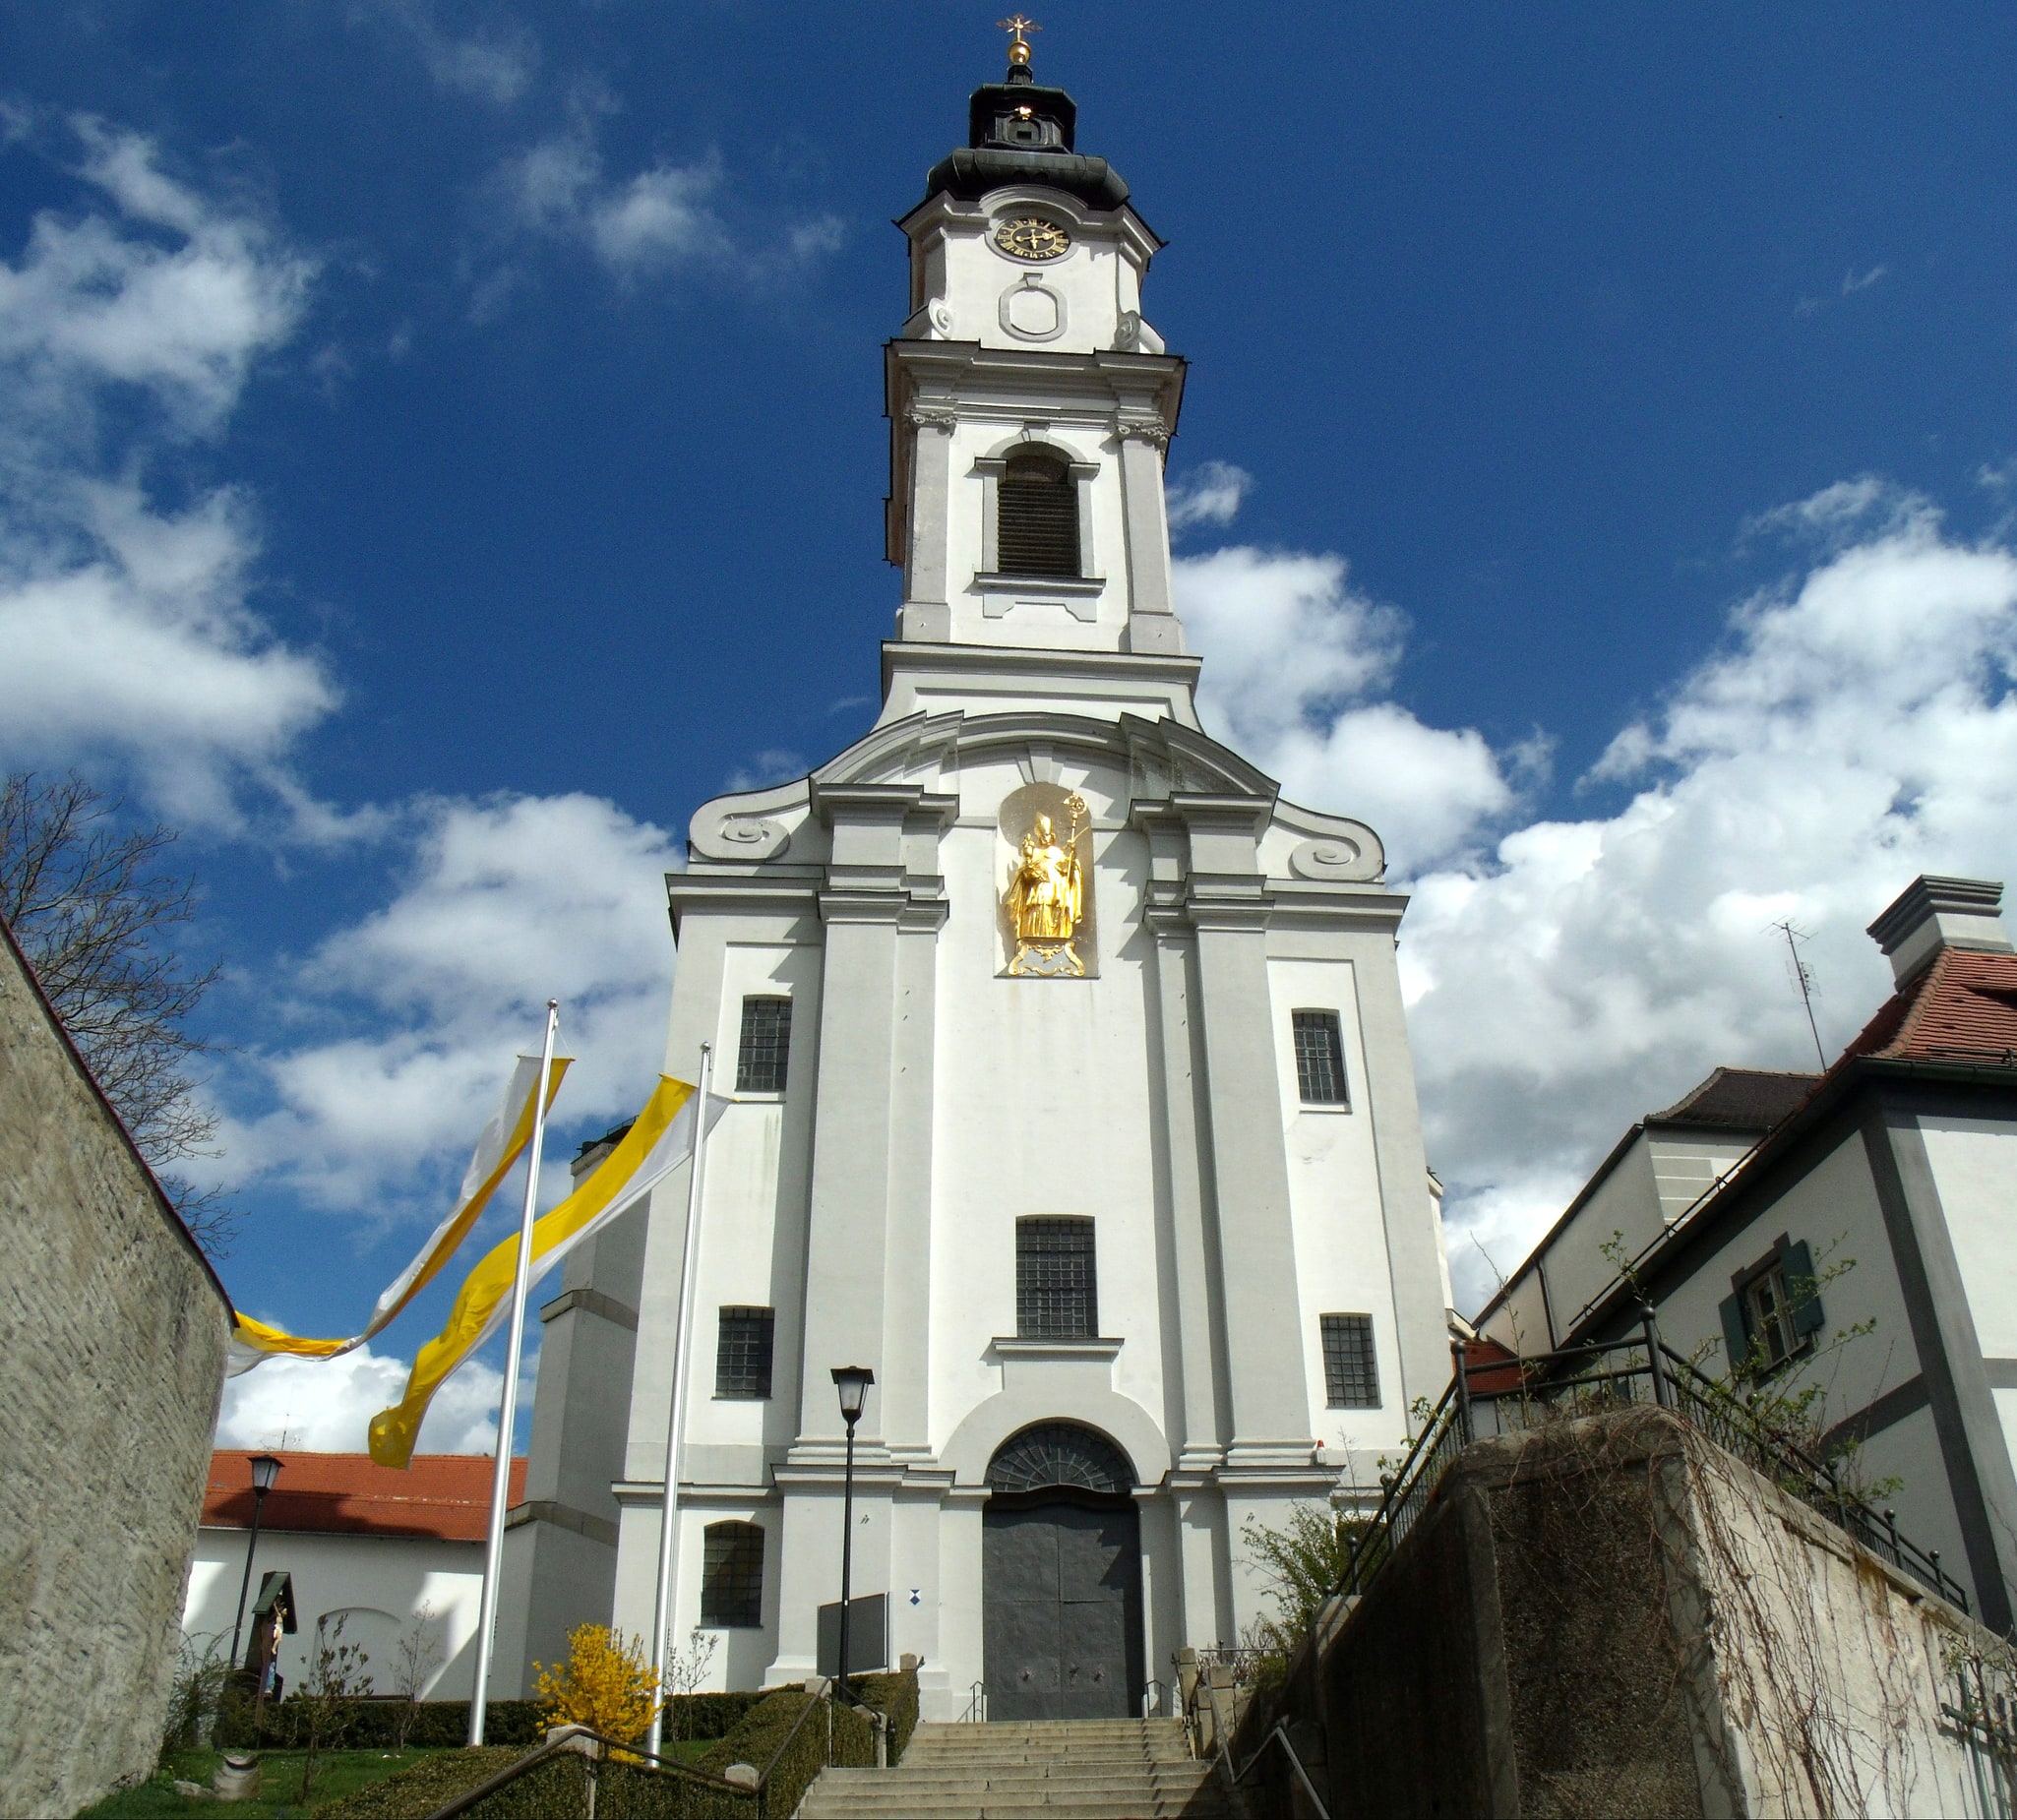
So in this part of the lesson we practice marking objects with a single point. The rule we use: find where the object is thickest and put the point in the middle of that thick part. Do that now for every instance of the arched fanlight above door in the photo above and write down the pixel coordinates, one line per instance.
(1065, 1454)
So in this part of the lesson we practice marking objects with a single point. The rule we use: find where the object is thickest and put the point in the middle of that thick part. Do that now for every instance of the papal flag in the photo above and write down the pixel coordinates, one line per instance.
(659, 1140)
(503, 1141)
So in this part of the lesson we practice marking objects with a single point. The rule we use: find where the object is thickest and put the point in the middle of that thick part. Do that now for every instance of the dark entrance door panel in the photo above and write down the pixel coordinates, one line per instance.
(1062, 1592)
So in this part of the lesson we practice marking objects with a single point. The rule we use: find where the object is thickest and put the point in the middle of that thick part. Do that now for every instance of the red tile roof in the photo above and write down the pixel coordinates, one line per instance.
(445, 1495)
(1961, 1009)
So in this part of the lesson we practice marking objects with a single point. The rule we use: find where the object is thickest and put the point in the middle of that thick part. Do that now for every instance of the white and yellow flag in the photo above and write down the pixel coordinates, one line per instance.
(504, 1139)
(659, 1140)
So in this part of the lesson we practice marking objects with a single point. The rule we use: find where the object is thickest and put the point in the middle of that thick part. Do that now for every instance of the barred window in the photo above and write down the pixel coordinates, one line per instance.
(1351, 1375)
(742, 1352)
(1037, 516)
(1319, 1057)
(732, 1577)
(1055, 1295)
(766, 1047)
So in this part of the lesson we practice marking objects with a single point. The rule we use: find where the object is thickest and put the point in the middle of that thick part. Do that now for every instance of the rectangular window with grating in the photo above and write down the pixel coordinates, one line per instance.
(742, 1352)
(765, 1046)
(1320, 1058)
(1351, 1374)
(1055, 1295)
(732, 1577)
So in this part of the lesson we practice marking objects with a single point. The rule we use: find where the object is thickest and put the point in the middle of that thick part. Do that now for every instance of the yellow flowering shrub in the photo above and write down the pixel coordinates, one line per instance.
(605, 1684)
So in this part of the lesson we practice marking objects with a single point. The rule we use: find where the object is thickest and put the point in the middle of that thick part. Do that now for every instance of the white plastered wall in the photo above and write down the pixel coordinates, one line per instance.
(1339, 1223)
(1975, 1168)
(380, 1581)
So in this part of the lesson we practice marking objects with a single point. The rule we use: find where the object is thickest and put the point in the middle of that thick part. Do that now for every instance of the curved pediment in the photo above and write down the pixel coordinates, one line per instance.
(1160, 758)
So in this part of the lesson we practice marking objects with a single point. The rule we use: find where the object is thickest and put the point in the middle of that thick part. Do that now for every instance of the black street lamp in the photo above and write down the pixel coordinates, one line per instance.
(852, 1382)
(264, 1470)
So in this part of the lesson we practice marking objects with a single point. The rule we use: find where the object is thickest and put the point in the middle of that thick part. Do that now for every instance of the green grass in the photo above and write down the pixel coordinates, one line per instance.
(338, 1773)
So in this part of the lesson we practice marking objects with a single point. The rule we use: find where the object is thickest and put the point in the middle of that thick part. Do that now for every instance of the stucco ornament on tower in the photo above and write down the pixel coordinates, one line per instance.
(1046, 895)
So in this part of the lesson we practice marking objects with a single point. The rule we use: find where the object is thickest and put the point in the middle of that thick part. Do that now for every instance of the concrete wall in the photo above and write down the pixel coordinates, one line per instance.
(1611, 1618)
(110, 1379)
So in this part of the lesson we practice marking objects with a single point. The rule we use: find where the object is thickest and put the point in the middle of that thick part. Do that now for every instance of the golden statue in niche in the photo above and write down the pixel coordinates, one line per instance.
(1046, 897)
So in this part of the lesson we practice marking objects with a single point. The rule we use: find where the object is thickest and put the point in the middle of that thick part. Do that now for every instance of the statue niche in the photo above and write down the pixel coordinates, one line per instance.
(1047, 899)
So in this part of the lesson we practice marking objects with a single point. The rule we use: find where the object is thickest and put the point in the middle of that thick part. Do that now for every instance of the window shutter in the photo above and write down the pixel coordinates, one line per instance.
(1037, 517)
(1737, 1342)
(1797, 1262)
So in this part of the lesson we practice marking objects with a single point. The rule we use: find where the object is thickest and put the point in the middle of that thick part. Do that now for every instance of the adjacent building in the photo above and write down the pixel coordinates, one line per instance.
(1870, 1211)
(386, 1551)
(1069, 1088)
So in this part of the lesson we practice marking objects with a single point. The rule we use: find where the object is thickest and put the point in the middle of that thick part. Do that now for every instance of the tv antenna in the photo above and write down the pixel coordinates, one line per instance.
(1804, 975)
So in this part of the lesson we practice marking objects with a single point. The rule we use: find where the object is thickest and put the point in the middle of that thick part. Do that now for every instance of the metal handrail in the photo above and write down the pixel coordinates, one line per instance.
(976, 1705)
(1678, 1384)
(1277, 1735)
(566, 1740)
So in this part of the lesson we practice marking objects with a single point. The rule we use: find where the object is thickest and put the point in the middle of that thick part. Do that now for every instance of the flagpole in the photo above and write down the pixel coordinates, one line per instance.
(668, 1508)
(508, 1412)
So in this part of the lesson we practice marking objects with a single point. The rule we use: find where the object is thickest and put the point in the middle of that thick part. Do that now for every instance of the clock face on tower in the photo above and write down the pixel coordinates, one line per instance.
(1029, 236)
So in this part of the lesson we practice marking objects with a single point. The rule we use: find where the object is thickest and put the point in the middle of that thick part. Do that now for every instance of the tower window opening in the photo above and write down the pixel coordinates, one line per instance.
(1057, 1295)
(1320, 1058)
(1351, 1373)
(742, 1352)
(766, 1047)
(1037, 530)
(732, 1577)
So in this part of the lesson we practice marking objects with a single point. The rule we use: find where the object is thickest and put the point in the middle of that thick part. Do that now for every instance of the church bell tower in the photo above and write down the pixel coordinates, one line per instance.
(1065, 1077)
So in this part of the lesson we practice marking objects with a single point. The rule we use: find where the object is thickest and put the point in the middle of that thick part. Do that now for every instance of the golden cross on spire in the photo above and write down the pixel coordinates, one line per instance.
(1019, 29)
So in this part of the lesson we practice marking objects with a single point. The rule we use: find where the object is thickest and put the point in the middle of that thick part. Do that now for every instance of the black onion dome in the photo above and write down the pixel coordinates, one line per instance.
(1020, 132)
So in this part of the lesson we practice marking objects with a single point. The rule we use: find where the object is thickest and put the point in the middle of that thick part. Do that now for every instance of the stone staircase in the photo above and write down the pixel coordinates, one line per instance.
(1086, 1769)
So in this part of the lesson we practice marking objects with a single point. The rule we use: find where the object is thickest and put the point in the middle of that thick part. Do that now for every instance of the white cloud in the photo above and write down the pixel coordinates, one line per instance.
(494, 64)
(1859, 728)
(125, 625)
(661, 217)
(1211, 494)
(1854, 280)
(326, 1406)
(1290, 653)
(667, 217)
(410, 1016)
(173, 294)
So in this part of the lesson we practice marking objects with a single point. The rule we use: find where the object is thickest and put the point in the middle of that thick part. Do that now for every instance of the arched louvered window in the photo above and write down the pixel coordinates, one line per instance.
(1037, 531)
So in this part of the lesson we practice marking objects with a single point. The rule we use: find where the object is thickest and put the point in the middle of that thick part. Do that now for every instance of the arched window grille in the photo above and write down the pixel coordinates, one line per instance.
(1060, 1453)
(732, 1577)
(1037, 531)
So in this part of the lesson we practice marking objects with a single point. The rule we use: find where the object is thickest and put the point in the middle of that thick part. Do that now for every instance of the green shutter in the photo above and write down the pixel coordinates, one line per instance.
(1737, 1343)
(1797, 1262)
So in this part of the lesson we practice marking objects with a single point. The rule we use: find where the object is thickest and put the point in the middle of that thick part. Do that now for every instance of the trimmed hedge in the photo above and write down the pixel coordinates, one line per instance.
(445, 1724)
(413, 1793)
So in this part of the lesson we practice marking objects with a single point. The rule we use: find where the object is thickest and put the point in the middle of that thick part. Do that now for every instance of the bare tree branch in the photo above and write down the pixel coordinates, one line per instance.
(92, 908)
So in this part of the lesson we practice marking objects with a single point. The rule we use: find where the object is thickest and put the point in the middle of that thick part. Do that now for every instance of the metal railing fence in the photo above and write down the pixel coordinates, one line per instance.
(1503, 1396)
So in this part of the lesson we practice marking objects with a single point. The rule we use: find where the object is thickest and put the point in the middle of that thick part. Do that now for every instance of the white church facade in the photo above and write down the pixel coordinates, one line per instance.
(1068, 1084)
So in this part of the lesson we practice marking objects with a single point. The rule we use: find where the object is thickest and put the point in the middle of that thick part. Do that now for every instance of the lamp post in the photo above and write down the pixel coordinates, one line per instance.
(852, 1382)
(264, 1470)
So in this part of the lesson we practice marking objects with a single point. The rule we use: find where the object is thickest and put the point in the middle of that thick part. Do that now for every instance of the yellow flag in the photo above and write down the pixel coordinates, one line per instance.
(504, 1138)
(661, 1138)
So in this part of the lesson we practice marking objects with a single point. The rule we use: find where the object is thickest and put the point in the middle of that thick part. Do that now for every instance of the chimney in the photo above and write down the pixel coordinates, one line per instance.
(1931, 914)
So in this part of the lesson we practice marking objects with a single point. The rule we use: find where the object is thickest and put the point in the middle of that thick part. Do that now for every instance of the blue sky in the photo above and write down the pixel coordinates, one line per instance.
(444, 444)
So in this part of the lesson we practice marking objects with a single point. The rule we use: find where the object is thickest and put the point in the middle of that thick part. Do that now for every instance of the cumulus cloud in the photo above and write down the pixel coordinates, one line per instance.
(1293, 652)
(1211, 494)
(667, 217)
(326, 1406)
(409, 1017)
(1857, 728)
(125, 624)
